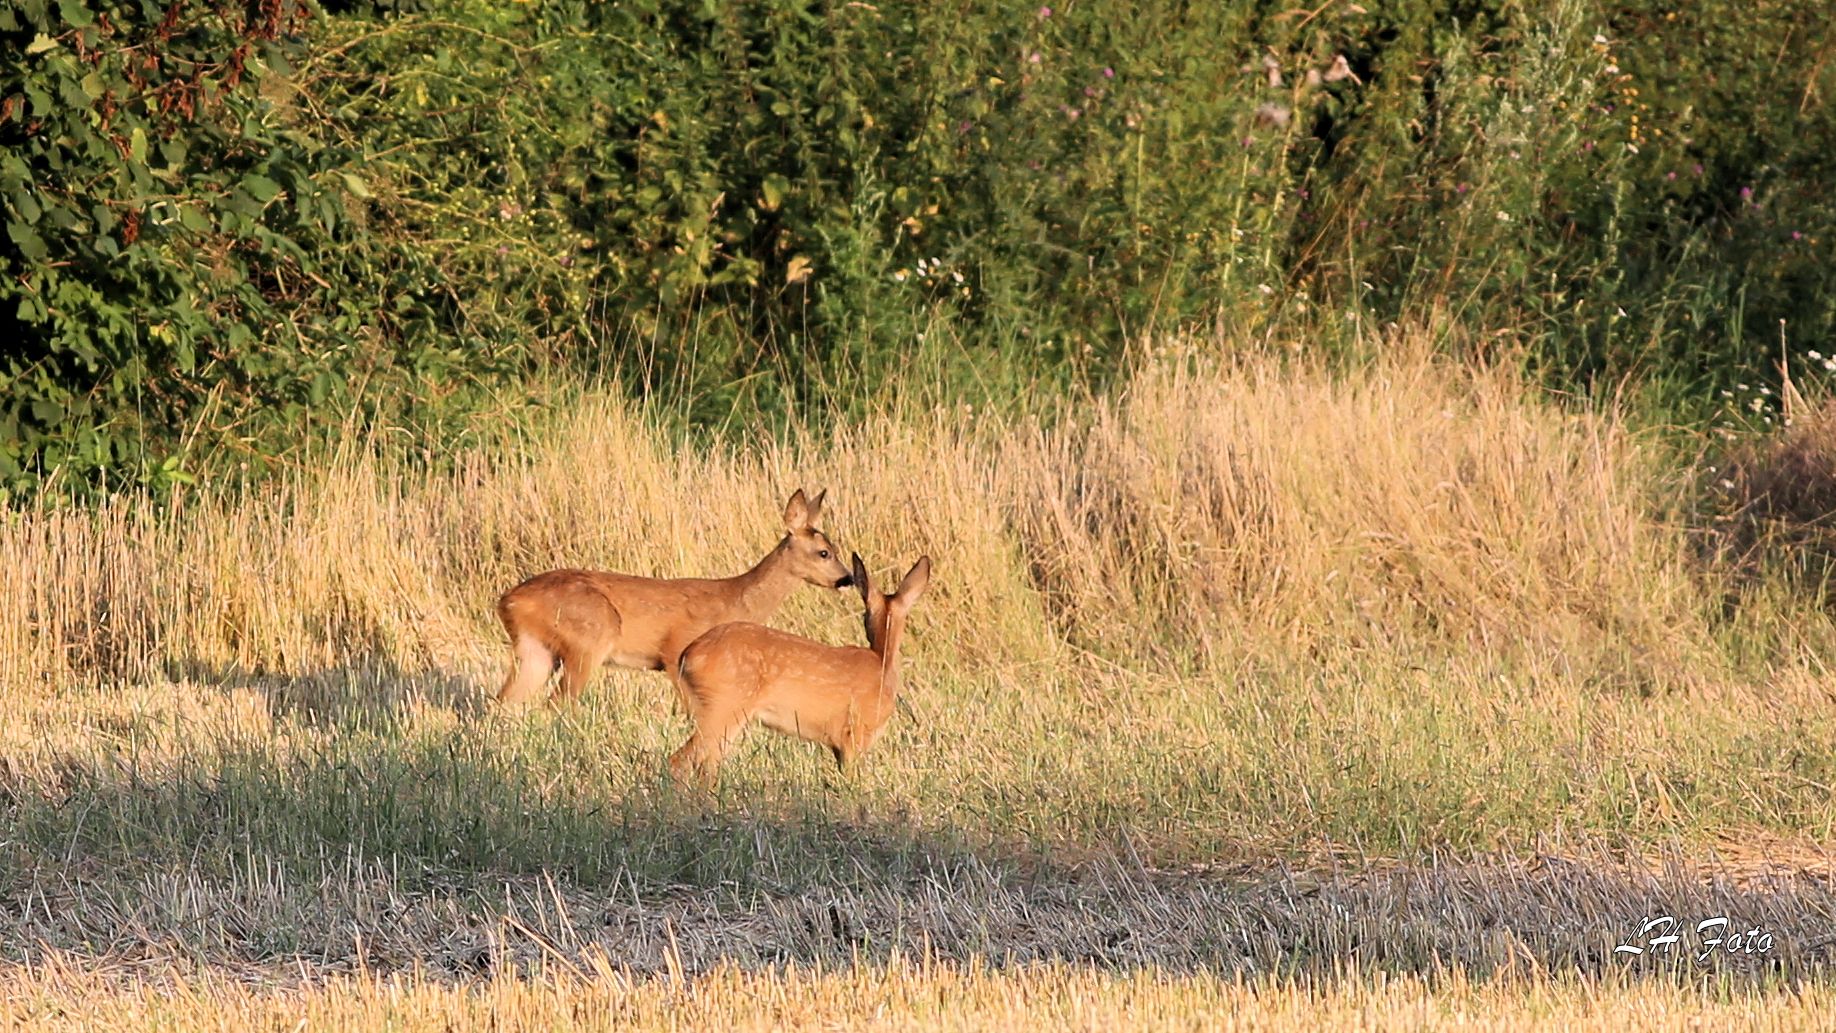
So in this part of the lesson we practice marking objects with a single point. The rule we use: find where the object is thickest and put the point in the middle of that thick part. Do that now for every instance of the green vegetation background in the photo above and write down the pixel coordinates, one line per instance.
(235, 229)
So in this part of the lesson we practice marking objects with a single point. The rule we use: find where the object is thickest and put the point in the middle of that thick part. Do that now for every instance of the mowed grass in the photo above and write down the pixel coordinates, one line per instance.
(901, 996)
(1257, 667)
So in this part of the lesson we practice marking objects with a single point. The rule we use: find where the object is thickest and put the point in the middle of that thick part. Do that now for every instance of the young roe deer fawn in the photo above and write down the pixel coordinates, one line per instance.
(839, 696)
(578, 619)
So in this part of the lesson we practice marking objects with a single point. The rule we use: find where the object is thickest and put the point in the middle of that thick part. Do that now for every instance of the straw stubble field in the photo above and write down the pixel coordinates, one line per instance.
(1399, 695)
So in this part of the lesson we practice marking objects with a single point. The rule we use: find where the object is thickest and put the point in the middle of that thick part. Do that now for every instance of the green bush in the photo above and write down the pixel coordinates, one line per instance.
(405, 208)
(802, 187)
(1635, 189)
(190, 267)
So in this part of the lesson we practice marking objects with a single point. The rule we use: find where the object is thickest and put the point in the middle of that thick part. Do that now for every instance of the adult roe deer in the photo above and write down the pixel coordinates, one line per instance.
(579, 619)
(839, 696)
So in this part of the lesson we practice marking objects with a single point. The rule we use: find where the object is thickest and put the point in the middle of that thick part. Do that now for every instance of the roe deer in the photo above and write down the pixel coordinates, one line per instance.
(839, 696)
(578, 619)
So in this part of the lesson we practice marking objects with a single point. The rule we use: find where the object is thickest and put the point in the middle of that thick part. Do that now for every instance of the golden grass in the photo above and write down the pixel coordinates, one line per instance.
(904, 995)
(1255, 660)
(1254, 510)
(1250, 509)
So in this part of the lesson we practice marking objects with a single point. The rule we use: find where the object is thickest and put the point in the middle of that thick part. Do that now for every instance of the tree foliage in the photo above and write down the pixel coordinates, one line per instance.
(228, 224)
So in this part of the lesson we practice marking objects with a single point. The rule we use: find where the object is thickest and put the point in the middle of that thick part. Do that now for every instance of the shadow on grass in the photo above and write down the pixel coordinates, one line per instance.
(350, 837)
(375, 690)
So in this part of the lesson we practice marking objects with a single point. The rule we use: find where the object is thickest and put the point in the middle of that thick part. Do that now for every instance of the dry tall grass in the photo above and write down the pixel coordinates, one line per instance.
(1253, 509)
(1269, 600)
(1250, 509)
(1244, 615)
(1778, 501)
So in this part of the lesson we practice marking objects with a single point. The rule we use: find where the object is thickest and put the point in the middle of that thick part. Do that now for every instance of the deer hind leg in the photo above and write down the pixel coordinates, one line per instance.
(589, 629)
(577, 667)
(530, 667)
(698, 760)
(686, 761)
(707, 748)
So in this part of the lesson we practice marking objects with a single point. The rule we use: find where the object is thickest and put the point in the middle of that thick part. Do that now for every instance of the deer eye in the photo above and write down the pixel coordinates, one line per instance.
(824, 554)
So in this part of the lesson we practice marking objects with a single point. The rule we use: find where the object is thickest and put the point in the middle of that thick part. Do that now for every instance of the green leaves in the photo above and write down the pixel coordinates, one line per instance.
(192, 218)
(121, 281)
(772, 191)
(75, 13)
(424, 208)
(25, 205)
(260, 187)
(27, 240)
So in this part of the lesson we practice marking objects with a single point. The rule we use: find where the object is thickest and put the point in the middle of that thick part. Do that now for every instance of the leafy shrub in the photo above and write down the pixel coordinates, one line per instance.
(188, 260)
(704, 199)
(800, 187)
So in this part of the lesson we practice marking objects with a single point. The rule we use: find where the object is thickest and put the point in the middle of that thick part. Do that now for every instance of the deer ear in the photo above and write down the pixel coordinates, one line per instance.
(816, 506)
(797, 512)
(860, 578)
(915, 581)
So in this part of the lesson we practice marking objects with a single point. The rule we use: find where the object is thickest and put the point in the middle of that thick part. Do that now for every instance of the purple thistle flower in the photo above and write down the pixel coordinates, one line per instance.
(1044, 13)
(1108, 72)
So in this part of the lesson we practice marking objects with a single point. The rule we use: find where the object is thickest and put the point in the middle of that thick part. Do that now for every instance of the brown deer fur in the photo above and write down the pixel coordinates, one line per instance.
(579, 619)
(839, 696)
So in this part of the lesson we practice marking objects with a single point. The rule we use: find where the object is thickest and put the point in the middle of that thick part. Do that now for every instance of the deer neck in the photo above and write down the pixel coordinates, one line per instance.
(765, 587)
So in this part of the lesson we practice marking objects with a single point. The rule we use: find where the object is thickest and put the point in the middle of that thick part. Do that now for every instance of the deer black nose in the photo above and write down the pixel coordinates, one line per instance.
(846, 581)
